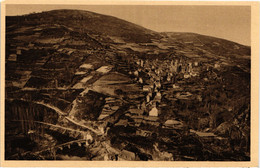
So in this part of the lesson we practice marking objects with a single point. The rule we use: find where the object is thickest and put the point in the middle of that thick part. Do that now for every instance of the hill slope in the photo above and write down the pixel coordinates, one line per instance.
(88, 22)
(214, 45)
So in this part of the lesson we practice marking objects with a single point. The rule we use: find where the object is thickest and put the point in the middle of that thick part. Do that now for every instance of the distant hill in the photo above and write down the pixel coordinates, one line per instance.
(214, 45)
(88, 22)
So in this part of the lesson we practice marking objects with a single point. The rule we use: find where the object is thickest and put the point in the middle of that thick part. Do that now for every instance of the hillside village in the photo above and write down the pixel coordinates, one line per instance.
(76, 93)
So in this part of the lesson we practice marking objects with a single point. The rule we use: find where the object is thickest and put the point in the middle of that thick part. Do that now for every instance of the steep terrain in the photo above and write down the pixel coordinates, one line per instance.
(89, 22)
(95, 87)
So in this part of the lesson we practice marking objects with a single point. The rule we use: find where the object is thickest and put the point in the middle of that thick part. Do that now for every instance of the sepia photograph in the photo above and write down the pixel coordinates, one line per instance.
(127, 82)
